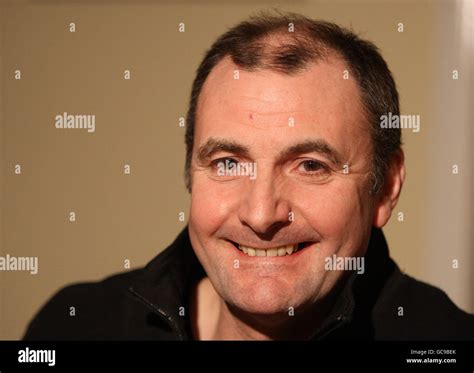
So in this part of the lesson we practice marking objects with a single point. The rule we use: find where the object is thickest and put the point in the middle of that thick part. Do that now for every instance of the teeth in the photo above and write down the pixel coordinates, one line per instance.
(282, 251)
(276, 251)
(289, 249)
(272, 252)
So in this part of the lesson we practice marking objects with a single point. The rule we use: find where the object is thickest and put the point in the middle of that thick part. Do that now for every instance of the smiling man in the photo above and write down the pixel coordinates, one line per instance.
(296, 251)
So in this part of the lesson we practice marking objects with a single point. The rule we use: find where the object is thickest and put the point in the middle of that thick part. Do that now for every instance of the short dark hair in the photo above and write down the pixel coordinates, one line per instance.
(247, 44)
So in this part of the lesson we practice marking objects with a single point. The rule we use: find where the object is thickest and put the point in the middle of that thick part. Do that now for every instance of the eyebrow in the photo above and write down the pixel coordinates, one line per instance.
(215, 145)
(314, 146)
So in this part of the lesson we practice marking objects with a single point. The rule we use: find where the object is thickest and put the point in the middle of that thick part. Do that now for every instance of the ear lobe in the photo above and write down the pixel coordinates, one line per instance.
(387, 198)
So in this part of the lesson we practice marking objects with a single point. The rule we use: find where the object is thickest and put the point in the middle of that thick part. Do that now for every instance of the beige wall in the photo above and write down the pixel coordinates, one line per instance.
(135, 216)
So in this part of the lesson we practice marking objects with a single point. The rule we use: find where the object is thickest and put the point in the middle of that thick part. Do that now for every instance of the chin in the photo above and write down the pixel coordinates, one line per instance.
(266, 298)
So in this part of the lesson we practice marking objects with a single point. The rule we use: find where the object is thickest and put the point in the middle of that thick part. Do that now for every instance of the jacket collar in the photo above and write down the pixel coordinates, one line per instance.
(165, 286)
(165, 283)
(352, 312)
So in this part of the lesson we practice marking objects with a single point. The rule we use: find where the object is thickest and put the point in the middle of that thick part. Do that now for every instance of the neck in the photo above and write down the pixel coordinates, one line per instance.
(214, 319)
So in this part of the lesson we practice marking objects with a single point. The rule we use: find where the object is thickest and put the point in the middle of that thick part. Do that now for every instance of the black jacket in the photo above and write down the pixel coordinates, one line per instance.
(148, 304)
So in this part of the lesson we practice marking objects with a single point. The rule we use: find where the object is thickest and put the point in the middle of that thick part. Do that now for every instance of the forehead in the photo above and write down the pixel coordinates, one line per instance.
(268, 111)
(270, 96)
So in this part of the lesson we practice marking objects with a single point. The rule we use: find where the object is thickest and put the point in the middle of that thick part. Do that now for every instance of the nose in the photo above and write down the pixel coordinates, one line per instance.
(263, 208)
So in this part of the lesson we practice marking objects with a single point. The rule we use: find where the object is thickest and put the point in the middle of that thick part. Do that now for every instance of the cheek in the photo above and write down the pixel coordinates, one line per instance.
(332, 209)
(211, 204)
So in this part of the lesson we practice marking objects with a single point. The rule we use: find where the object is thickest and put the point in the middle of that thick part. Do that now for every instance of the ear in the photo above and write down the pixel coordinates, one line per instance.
(387, 198)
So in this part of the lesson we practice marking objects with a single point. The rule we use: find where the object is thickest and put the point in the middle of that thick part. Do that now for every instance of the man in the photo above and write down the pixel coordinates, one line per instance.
(292, 177)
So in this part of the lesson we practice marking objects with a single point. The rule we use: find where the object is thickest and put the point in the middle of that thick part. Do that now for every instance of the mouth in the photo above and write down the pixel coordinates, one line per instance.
(277, 251)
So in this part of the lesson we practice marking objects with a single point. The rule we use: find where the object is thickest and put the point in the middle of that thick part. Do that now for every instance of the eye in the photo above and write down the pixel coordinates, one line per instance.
(225, 167)
(313, 171)
(225, 162)
(312, 166)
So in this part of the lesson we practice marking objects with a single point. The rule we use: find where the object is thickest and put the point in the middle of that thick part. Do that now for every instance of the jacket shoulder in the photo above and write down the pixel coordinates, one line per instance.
(410, 309)
(82, 310)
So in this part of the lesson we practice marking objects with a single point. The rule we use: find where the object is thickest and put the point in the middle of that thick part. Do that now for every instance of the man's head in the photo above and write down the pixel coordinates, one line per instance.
(302, 101)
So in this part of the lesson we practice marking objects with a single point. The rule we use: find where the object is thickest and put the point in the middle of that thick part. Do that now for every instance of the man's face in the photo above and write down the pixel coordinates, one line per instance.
(309, 138)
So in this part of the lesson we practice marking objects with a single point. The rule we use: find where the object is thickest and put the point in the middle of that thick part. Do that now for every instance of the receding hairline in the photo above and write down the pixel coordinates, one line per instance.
(331, 59)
